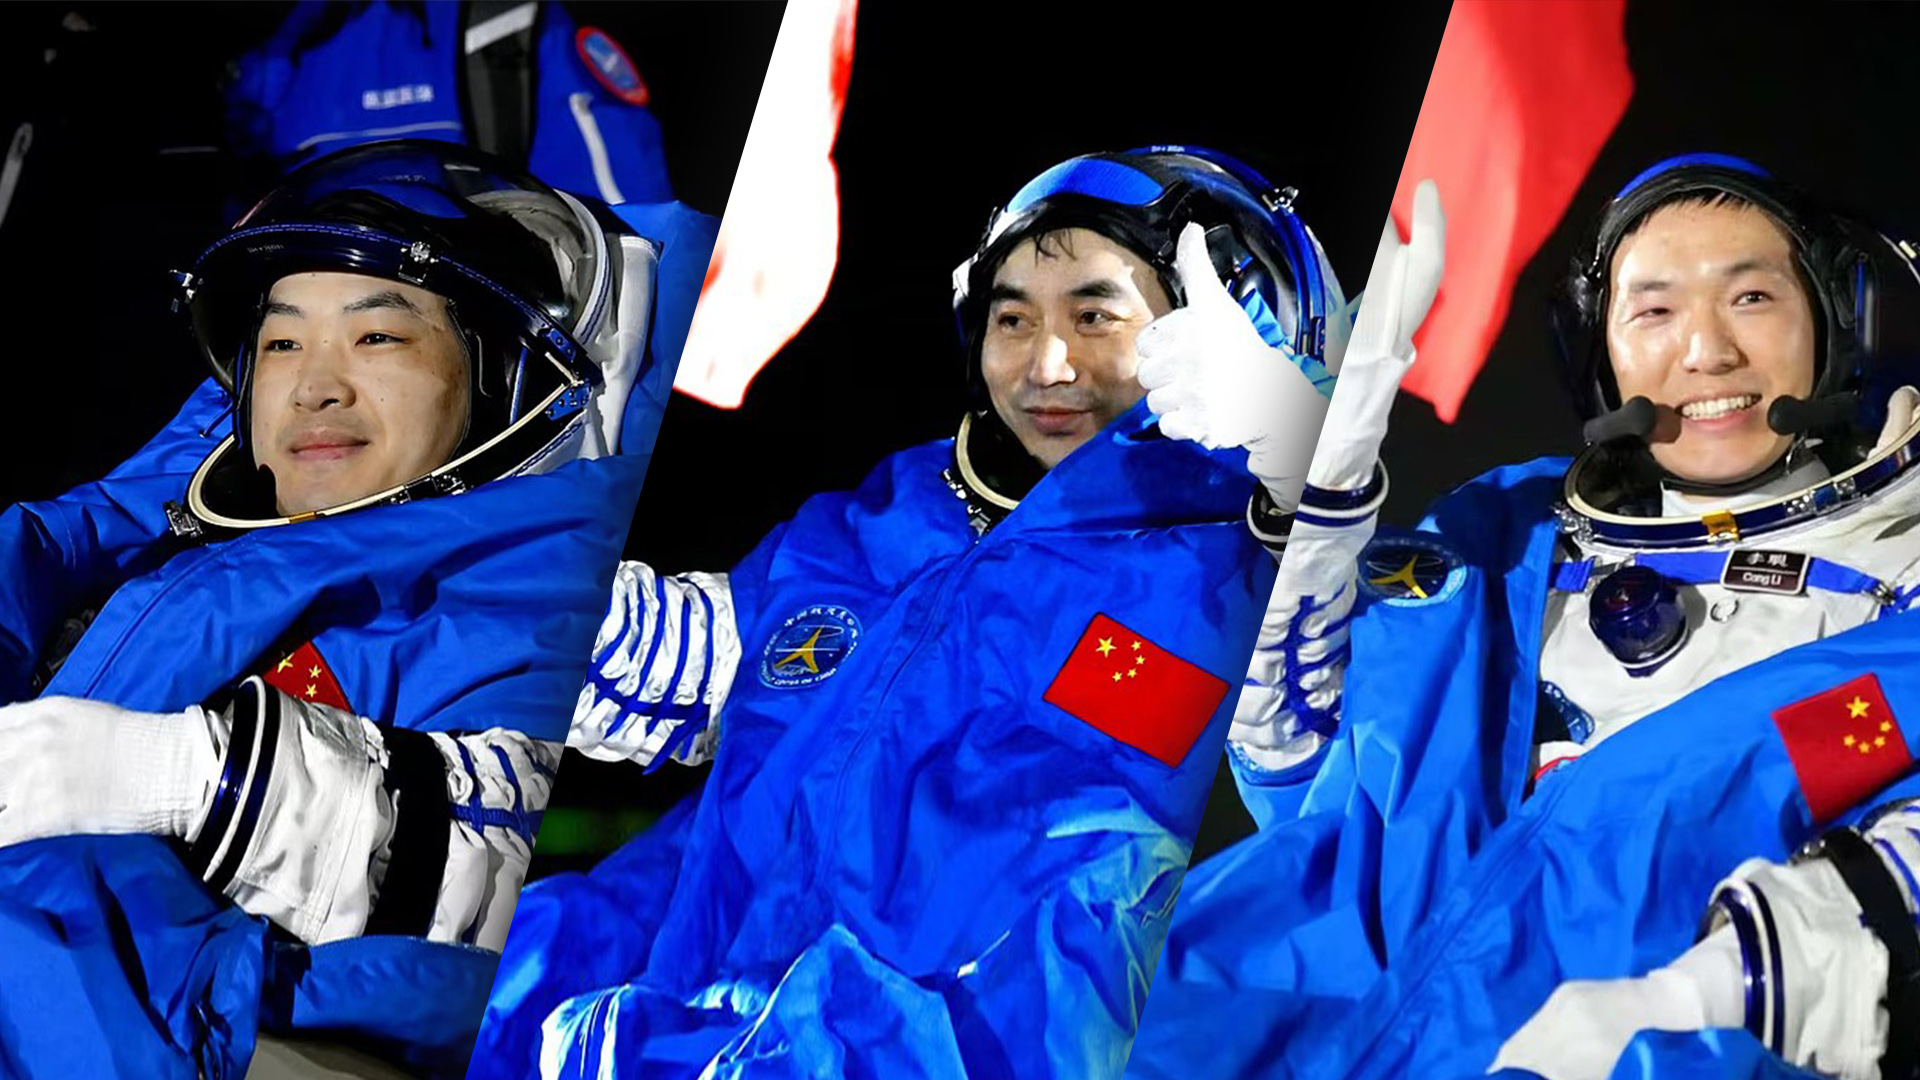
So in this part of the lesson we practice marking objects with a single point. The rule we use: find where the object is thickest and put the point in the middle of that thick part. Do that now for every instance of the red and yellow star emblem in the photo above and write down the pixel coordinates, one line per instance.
(304, 674)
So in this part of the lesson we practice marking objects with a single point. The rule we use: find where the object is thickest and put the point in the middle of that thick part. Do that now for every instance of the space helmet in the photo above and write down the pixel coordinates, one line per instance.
(1865, 294)
(1269, 261)
(549, 294)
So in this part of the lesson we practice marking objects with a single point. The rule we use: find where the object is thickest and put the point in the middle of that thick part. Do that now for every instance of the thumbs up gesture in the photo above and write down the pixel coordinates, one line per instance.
(1213, 380)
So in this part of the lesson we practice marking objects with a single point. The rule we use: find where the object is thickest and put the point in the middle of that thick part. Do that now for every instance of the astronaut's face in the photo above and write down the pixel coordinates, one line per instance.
(359, 384)
(1708, 319)
(1057, 355)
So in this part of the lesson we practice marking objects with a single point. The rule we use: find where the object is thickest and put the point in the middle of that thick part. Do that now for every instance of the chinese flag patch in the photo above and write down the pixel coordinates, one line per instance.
(1135, 691)
(303, 674)
(1844, 744)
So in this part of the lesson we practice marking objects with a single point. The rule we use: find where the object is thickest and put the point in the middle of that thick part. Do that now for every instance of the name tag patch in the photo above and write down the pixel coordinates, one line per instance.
(1756, 570)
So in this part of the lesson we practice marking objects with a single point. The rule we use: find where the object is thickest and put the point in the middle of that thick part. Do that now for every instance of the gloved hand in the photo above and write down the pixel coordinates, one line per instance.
(1585, 1025)
(352, 817)
(1815, 956)
(1292, 702)
(1400, 291)
(632, 707)
(497, 783)
(68, 765)
(1212, 380)
(1901, 406)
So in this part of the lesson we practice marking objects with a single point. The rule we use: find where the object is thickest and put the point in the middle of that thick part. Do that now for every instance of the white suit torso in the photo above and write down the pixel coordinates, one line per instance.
(1728, 628)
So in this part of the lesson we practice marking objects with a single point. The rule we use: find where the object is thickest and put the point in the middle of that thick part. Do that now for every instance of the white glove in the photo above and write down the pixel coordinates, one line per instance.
(1832, 969)
(1901, 407)
(1583, 1028)
(305, 860)
(1400, 291)
(1211, 379)
(508, 776)
(313, 859)
(1831, 979)
(1275, 720)
(619, 714)
(1270, 720)
(334, 799)
(68, 765)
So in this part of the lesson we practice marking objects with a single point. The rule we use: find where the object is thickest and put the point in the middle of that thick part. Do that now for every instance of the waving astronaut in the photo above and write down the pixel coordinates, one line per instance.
(404, 332)
(894, 668)
(1749, 490)
(669, 649)
(1744, 494)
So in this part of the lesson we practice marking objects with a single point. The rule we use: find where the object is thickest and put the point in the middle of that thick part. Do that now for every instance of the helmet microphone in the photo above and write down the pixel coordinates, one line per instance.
(1634, 420)
(1801, 416)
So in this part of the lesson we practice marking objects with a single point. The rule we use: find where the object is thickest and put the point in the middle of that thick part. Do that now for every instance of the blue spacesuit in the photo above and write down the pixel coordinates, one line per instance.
(912, 827)
(570, 109)
(1574, 701)
(1436, 910)
(429, 614)
(175, 635)
(961, 729)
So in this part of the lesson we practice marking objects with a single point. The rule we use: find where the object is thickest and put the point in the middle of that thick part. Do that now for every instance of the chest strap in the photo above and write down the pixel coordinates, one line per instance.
(1709, 568)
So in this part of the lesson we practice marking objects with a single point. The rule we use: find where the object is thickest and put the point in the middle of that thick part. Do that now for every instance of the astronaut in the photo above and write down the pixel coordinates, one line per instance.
(327, 652)
(953, 715)
(1814, 504)
(1640, 657)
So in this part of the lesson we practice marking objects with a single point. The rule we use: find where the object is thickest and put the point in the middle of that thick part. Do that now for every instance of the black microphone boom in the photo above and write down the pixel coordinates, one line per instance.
(1798, 416)
(1634, 420)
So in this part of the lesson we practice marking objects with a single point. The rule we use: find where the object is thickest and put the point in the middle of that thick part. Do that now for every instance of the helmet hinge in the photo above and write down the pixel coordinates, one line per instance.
(1279, 199)
(413, 265)
(182, 524)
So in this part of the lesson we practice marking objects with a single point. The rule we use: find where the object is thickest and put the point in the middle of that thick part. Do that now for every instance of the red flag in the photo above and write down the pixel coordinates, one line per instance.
(780, 239)
(1521, 98)
(304, 674)
(1844, 744)
(1135, 691)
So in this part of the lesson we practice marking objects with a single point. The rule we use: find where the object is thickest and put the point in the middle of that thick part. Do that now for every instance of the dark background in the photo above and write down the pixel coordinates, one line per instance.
(932, 139)
(129, 176)
(120, 186)
(1820, 94)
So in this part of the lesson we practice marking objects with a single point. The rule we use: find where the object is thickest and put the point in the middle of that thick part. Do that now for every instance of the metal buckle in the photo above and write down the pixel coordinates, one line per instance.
(182, 524)
(1721, 526)
(1573, 523)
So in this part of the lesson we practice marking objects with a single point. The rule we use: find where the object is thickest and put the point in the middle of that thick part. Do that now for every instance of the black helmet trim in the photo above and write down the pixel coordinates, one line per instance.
(1864, 347)
(518, 448)
(963, 460)
(989, 469)
(1830, 262)
(376, 254)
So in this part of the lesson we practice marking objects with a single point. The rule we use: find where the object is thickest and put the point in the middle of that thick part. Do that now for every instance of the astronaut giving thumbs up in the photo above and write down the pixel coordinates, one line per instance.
(1214, 379)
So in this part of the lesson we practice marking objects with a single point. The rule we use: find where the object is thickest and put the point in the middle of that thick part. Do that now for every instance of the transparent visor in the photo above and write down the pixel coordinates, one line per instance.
(434, 215)
(1193, 186)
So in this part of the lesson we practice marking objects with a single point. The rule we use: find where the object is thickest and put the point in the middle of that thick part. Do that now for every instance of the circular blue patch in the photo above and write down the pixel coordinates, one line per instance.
(1411, 571)
(809, 646)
